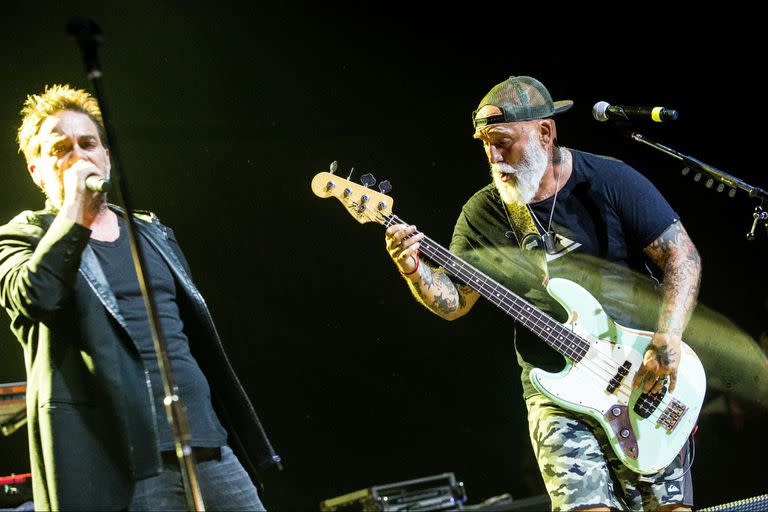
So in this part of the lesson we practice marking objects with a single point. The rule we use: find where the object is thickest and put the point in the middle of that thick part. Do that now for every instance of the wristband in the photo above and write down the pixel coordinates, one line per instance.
(418, 261)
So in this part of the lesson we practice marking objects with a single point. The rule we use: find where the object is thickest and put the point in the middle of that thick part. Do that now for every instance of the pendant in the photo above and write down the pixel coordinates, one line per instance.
(549, 242)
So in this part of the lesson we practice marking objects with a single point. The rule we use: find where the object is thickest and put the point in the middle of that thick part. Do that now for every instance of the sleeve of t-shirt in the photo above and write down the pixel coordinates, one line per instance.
(644, 213)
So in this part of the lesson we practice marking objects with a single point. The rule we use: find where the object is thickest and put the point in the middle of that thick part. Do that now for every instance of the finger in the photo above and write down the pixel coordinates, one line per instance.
(403, 233)
(413, 239)
(650, 381)
(413, 251)
(649, 356)
(672, 381)
(399, 237)
(407, 232)
(639, 376)
(393, 239)
(658, 386)
(78, 164)
(83, 169)
(394, 228)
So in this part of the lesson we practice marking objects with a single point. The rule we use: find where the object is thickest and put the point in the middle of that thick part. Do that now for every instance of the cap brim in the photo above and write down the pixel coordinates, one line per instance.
(562, 106)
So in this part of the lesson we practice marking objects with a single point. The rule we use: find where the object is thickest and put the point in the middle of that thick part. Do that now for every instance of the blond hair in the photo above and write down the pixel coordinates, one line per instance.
(56, 98)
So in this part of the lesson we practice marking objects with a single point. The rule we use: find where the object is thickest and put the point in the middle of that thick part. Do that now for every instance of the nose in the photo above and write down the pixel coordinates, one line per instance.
(494, 154)
(69, 161)
(75, 155)
(78, 153)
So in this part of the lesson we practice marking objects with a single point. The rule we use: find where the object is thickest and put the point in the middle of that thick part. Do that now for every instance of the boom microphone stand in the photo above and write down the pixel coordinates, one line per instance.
(715, 175)
(89, 37)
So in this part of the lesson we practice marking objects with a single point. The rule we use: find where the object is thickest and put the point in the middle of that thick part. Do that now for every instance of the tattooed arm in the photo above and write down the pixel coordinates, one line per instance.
(679, 260)
(432, 287)
(435, 290)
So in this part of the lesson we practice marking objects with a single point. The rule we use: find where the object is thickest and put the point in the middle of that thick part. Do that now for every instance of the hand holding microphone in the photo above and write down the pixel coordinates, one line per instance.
(83, 191)
(93, 182)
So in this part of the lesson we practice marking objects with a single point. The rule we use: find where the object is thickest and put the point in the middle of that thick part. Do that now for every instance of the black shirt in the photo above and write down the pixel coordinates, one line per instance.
(604, 216)
(117, 263)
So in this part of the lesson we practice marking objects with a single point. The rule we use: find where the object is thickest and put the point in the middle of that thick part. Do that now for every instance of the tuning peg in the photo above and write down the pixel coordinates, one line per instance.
(334, 165)
(368, 180)
(350, 173)
(385, 187)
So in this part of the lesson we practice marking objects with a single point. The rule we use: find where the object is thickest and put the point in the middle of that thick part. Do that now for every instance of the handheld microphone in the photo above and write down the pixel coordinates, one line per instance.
(97, 184)
(602, 111)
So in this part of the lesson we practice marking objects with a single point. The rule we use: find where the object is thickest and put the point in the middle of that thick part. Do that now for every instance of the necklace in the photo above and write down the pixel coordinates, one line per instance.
(548, 236)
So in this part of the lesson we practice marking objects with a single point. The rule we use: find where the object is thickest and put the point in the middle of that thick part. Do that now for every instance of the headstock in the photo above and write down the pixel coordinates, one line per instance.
(362, 202)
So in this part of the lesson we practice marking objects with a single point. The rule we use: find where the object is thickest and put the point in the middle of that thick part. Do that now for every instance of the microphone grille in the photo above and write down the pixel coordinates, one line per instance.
(599, 110)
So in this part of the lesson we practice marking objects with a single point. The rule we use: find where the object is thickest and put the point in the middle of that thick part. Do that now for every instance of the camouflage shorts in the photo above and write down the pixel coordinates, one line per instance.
(580, 469)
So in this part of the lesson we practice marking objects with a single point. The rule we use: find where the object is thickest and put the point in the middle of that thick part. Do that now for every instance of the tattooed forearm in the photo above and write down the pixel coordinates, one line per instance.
(676, 255)
(435, 290)
(445, 304)
(427, 277)
(678, 258)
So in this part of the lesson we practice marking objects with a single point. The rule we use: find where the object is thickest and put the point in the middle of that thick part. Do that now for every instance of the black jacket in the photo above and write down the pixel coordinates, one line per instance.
(86, 383)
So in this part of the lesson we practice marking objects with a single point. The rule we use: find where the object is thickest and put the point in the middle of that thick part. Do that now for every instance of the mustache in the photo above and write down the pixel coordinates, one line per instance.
(502, 168)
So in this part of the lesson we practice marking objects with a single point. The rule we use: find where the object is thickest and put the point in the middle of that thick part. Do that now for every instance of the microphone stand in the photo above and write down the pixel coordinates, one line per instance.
(89, 37)
(724, 179)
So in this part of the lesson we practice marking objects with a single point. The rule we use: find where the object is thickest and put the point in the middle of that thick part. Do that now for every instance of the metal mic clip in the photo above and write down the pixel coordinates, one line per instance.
(758, 216)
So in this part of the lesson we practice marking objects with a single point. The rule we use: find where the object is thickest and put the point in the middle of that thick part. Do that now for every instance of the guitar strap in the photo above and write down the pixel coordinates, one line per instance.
(528, 237)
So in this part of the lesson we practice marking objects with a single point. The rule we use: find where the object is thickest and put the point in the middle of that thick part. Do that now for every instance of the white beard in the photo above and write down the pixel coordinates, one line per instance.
(524, 178)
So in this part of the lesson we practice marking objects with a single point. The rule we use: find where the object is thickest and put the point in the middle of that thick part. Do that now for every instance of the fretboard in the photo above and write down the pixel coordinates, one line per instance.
(544, 326)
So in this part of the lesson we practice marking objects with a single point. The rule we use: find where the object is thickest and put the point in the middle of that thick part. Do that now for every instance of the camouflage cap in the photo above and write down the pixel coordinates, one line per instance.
(520, 98)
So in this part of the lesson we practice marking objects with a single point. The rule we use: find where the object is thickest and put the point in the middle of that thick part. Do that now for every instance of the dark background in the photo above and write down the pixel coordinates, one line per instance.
(225, 111)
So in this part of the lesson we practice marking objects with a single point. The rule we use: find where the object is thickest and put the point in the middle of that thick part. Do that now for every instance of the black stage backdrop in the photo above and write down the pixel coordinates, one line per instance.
(225, 111)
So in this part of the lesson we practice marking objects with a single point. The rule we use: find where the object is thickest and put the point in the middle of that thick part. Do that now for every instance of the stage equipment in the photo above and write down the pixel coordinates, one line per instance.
(755, 504)
(699, 168)
(603, 111)
(438, 492)
(16, 490)
(89, 37)
(724, 180)
(13, 407)
(506, 503)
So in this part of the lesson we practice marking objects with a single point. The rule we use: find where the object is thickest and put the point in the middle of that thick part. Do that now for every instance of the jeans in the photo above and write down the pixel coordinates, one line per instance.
(224, 485)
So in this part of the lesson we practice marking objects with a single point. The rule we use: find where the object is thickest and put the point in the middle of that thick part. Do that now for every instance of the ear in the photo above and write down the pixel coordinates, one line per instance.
(546, 131)
(36, 177)
(109, 162)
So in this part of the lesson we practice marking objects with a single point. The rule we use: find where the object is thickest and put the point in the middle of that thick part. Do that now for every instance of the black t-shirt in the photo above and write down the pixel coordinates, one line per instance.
(117, 263)
(603, 218)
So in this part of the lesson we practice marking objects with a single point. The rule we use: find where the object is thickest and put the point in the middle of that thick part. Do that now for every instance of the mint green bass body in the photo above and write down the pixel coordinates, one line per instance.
(646, 431)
